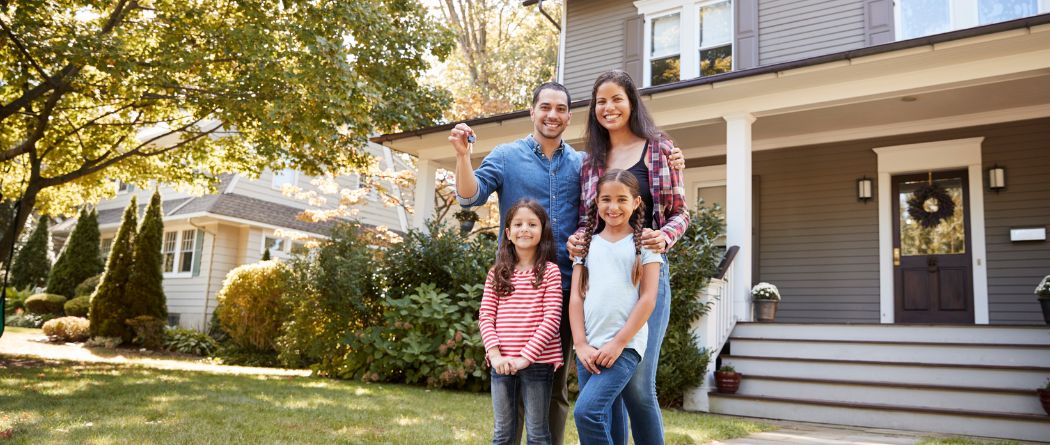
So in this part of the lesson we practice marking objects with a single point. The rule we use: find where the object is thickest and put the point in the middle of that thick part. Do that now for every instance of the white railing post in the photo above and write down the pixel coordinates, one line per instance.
(711, 332)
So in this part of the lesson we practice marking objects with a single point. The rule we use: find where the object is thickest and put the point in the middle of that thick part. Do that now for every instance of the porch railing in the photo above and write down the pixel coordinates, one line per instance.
(713, 329)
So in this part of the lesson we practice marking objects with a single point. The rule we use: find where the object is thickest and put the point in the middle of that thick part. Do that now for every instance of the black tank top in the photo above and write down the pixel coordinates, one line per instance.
(641, 172)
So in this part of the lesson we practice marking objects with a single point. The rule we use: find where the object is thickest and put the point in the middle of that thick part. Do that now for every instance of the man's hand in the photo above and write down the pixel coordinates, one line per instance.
(676, 159)
(458, 138)
(655, 240)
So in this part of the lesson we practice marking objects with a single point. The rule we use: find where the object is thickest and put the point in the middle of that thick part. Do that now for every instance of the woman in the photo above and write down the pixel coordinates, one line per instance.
(621, 134)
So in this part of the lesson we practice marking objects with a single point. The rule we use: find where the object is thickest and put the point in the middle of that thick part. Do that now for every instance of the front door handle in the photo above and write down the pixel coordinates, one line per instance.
(896, 256)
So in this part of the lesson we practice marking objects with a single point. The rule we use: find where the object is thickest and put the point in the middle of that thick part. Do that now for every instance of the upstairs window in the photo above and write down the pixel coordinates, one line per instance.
(664, 53)
(286, 176)
(177, 253)
(716, 38)
(919, 18)
(685, 39)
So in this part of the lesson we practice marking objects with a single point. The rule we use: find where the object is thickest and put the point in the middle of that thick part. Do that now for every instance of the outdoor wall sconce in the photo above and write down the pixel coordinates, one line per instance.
(996, 178)
(864, 189)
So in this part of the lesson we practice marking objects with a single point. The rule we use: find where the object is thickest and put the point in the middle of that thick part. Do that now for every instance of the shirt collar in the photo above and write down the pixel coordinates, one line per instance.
(538, 149)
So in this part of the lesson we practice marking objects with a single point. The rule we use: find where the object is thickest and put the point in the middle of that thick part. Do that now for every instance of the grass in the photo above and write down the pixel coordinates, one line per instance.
(69, 402)
(962, 441)
(22, 330)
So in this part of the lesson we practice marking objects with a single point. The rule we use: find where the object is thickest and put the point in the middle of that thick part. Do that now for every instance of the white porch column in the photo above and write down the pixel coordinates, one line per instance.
(738, 208)
(426, 174)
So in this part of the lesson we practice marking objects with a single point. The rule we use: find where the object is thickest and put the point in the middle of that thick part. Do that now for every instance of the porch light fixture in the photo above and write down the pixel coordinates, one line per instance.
(864, 189)
(996, 178)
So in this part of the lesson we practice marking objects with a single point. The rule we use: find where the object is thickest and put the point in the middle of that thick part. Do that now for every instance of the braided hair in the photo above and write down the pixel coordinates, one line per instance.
(507, 255)
(637, 222)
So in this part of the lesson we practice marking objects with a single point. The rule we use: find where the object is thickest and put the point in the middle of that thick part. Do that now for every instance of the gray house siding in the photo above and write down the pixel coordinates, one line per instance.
(595, 41)
(798, 29)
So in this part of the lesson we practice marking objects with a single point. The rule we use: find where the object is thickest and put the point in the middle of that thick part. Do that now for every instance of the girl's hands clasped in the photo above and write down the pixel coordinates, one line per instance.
(587, 355)
(608, 353)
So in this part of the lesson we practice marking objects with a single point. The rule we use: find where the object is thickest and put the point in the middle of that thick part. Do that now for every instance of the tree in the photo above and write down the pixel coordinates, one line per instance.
(132, 90)
(266, 255)
(31, 266)
(108, 306)
(79, 259)
(145, 288)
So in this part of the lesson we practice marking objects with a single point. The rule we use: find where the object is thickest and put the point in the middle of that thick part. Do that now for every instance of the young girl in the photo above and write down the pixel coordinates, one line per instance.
(520, 320)
(613, 294)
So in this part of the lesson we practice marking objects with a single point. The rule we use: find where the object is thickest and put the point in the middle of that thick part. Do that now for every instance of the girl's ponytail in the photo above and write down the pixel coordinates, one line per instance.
(588, 234)
(637, 223)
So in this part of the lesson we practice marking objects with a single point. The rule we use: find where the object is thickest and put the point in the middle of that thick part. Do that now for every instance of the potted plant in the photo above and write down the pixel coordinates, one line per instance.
(727, 380)
(466, 218)
(1043, 291)
(1044, 396)
(765, 296)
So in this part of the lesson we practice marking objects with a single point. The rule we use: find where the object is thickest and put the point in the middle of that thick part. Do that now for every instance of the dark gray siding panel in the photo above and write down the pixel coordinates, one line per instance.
(799, 29)
(595, 40)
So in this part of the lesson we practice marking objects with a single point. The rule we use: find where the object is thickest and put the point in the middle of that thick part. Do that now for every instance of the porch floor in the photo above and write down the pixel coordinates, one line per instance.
(802, 433)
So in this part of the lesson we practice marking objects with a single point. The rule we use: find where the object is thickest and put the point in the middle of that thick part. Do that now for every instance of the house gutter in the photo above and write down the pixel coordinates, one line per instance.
(540, 7)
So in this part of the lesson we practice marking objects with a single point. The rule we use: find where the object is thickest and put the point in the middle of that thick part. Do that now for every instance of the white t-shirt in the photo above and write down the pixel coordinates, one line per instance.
(610, 294)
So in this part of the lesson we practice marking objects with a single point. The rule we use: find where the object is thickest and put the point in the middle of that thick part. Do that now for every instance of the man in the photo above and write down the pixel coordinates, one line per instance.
(540, 166)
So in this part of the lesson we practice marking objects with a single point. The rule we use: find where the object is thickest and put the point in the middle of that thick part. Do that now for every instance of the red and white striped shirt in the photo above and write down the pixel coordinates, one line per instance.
(527, 322)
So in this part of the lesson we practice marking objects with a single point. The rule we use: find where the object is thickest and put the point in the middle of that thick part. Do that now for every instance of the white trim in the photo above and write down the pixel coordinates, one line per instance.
(561, 43)
(962, 14)
(239, 221)
(939, 155)
(402, 217)
(738, 215)
(233, 183)
(426, 174)
(688, 33)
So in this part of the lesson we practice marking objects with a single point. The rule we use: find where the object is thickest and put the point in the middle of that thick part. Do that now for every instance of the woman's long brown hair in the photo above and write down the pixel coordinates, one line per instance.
(637, 221)
(507, 255)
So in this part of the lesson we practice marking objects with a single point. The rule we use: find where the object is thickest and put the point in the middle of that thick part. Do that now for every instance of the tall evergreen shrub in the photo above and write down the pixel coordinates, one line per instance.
(31, 265)
(108, 306)
(145, 291)
(79, 259)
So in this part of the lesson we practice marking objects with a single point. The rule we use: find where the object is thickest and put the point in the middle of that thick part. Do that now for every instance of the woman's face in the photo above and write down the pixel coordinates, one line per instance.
(612, 107)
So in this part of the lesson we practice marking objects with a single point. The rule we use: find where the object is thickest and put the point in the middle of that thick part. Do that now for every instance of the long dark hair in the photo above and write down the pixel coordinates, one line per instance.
(637, 221)
(507, 255)
(641, 122)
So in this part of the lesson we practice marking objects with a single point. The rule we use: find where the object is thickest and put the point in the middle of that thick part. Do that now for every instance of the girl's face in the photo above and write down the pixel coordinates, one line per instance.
(612, 108)
(525, 229)
(616, 203)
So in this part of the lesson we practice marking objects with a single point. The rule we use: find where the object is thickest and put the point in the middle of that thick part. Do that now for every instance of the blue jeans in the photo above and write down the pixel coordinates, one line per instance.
(599, 394)
(533, 386)
(639, 397)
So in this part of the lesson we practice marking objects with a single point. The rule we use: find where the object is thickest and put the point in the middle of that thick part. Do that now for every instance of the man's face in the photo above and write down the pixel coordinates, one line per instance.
(550, 115)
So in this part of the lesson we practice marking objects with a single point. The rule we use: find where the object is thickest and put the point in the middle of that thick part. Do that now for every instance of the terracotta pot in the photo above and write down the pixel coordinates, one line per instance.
(1045, 303)
(1044, 398)
(765, 310)
(728, 382)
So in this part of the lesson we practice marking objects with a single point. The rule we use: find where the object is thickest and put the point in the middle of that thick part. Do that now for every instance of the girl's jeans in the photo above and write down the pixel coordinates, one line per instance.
(599, 393)
(533, 386)
(639, 397)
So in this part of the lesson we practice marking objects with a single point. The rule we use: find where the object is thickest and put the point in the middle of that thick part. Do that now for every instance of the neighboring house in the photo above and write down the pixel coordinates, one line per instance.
(207, 236)
(812, 121)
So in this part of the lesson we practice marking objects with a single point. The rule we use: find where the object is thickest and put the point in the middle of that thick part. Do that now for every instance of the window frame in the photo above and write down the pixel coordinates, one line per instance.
(284, 242)
(178, 252)
(689, 34)
(962, 14)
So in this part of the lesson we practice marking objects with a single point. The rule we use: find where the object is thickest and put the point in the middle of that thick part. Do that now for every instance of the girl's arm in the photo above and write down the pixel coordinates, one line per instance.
(551, 323)
(584, 351)
(611, 351)
(487, 320)
(677, 217)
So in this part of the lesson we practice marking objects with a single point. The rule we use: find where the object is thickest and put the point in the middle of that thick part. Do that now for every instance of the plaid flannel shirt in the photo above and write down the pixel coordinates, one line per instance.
(665, 182)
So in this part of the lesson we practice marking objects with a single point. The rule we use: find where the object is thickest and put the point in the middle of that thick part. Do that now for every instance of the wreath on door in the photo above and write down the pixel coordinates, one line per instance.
(930, 204)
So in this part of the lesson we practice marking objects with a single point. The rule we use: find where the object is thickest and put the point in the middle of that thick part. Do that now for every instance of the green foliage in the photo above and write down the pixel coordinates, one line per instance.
(440, 256)
(16, 299)
(78, 307)
(250, 304)
(428, 337)
(67, 329)
(230, 353)
(188, 341)
(87, 287)
(45, 304)
(149, 331)
(145, 289)
(333, 292)
(727, 368)
(31, 265)
(108, 305)
(265, 255)
(692, 261)
(28, 320)
(80, 257)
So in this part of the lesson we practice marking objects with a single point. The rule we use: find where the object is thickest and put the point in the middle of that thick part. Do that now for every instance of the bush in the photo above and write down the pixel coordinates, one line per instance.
(250, 304)
(87, 287)
(692, 261)
(441, 257)
(149, 331)
(31, 265)
(188, 341)
(45, 304)
(332, 292)
(427, 337)
(80, 257)
(78, 307)
(109, 307)
(67, 329)
(28, 320)
(16, 299)
(234, 355)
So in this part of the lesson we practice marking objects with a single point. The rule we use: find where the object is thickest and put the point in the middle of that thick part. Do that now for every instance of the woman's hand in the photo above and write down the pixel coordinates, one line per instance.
(676, 159)
(574, 246)
(654, 240)
(608, 353)
(587, 355)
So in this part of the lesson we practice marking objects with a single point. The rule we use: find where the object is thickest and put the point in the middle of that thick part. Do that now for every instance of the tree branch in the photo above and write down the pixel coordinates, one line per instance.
(27, 146)
(25, 53)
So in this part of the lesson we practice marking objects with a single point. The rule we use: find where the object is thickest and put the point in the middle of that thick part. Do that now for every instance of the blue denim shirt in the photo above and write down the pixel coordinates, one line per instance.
(519, 170)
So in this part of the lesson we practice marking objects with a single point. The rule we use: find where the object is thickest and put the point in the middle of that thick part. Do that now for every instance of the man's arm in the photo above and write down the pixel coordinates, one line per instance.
(466, 185)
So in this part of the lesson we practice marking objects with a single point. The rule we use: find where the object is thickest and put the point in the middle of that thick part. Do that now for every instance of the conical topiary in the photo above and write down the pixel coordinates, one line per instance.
(108, 307)
(79, 259)
(31, 265)
(266, 255)
(145, 291)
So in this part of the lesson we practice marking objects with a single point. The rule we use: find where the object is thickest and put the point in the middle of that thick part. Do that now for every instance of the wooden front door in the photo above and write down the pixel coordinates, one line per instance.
(932, 276)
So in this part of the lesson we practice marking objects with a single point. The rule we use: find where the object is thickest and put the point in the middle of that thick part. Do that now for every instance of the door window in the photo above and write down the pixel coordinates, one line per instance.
(947, 237)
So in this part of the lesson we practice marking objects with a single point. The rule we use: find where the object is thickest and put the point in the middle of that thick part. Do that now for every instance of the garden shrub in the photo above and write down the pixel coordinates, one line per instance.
(149, 331)
(332, 291)
(45, 304)
(692, 262)
(440, 256)
(188, 341)
(31, 265)
(16, 299)
(427, 337)
(250, 304)
(65, 329)
(87, 287)
(230, 353)
(79, 259)
(27, 320)
(109, 307)
(144, 294)
(78, 307)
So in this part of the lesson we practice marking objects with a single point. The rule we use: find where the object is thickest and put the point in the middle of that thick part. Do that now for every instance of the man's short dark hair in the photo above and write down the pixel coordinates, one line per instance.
(551, 86)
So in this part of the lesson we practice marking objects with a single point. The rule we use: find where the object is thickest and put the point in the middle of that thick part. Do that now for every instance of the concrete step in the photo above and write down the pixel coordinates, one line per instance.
(1016, 335)
(895, 351)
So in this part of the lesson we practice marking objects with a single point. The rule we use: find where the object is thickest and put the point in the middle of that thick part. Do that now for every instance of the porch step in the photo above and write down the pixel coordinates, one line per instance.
(1014, 335)
(905, 351)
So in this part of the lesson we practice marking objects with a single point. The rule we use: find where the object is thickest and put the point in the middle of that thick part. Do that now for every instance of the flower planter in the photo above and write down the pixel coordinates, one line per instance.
(465, 226)
(1045, 303)
(1044, 398)
(727, 382)
(765, 310)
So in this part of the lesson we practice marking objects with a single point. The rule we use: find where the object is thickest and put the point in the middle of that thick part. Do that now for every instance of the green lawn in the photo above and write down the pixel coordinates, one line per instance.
(67, 402)
(22, 330)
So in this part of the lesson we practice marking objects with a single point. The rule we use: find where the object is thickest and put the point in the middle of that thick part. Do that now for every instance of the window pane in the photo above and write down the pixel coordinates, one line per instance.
(716, 60)
(716, 24)
(924, 17)
(274, 244)
(993, 11)
(665, 70)
(168, 250)
(107, 245)
(286, 176)
(665, 36)
(186, 255)
(948, 237)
